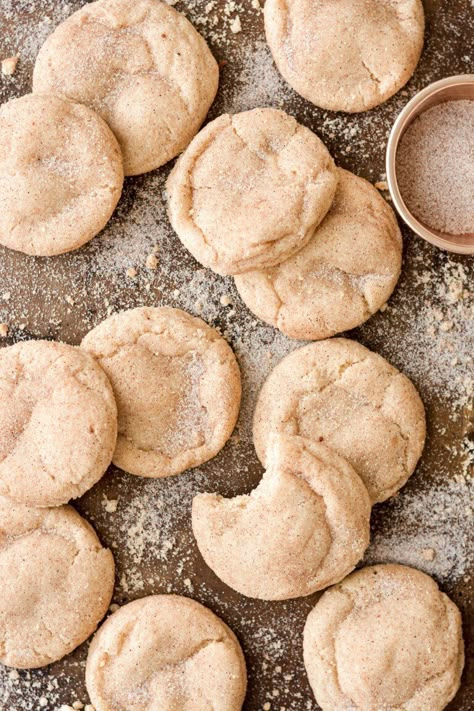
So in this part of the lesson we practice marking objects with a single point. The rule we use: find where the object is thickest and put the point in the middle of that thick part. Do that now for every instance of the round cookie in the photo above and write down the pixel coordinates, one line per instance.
(57, 583)
(142, 66)
(177, 386)
(58, 422)
(165, 652)
(249, 190)
(61, 174)
(303, 528)
(353, 400)
(346, 272)
(345, 55)
(384, 638)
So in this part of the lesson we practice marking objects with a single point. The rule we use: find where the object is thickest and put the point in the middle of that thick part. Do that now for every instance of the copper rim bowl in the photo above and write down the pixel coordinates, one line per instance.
(450, 89)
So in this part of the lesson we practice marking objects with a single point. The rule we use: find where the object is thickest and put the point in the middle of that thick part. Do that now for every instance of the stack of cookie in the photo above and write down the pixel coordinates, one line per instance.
(338, 429)
(315, 250)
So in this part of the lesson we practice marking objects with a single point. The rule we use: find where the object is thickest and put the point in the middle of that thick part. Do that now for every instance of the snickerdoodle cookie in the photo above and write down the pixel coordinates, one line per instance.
(346, 272)
(61, 174)
(340, 393)
(345, 55)
(58, 422)
(387, 638)
(249, 190)
(303, 528)
(177, 386)
(57, 583)
(165, 652)
(142, 66)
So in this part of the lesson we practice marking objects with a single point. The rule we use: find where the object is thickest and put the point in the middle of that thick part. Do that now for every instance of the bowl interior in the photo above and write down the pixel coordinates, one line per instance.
(453, 89)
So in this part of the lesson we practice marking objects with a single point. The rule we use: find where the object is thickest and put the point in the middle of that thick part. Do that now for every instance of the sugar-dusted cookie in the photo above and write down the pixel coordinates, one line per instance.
(345, 55)
(387, 638)
(165, 652)
(142, 66)
(351, 399)
(57, 583)
(249, 190)
(61, 174)
(303, 528)
(177, 386)
(346, 272)
(58, 422)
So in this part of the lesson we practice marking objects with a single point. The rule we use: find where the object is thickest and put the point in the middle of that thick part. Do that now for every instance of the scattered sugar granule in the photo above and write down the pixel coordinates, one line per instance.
(236, 25)
(43, 701)
(3, 330)
(78, 705)
(131, 272)
(256, 4)
(9, 66)
(69, 300)
(151, 261)
(188, 584)
(435, 170)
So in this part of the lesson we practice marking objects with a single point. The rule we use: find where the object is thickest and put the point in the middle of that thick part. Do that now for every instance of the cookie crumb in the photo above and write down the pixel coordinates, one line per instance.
(78, 705)
(256, 5)
(9, 66)
(428, 554)
(446, 326)
(236, 25)
(110, 505)
(131, 272)
(382, 185)
(151, 261)
(43, 701)
(69, 300)
(3, 330)
(226, 300)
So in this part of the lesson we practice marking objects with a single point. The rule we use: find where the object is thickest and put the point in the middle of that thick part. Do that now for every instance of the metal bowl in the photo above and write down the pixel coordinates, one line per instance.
(450, 89)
